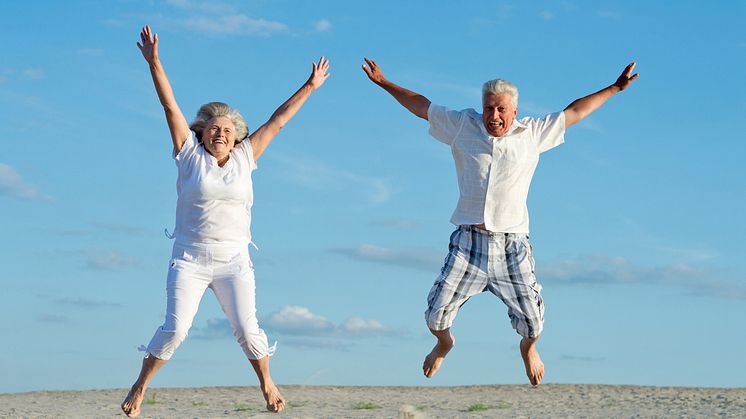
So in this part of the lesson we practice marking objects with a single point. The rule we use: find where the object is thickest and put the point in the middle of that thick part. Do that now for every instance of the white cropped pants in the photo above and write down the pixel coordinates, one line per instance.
(229, 273)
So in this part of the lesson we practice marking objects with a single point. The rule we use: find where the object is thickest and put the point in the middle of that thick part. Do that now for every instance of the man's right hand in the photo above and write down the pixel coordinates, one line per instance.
(373, 71)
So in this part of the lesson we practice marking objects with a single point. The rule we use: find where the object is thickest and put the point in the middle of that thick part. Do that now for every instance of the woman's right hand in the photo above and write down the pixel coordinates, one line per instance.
(149, 45)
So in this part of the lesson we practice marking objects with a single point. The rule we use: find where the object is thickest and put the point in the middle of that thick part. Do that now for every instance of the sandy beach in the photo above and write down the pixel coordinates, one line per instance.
(508, 401)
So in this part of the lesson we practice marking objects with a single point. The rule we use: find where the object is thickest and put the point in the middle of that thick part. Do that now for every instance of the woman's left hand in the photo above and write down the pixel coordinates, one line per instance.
(319, 73)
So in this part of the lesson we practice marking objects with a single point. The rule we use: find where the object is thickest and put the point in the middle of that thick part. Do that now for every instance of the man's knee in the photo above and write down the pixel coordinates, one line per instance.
(527, 327)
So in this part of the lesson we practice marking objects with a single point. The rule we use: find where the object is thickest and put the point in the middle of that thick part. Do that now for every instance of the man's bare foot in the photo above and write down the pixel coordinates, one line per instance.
(532, 361)
(131, 403)
(275, 401)
(438, 354)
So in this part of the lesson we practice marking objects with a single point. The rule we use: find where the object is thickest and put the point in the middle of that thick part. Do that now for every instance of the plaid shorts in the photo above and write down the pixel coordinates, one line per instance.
(478, 261)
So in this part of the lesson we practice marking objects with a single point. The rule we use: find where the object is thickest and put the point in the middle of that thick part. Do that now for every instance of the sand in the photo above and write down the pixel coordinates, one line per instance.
(509, 401)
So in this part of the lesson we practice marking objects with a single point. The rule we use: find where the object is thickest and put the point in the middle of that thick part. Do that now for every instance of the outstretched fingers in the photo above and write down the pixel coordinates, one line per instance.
(372, 70)
(148, 44)
(626, 77)
(319, 74)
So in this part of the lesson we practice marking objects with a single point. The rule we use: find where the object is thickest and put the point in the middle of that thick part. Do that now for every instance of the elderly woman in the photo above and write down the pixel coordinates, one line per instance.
(215, 157)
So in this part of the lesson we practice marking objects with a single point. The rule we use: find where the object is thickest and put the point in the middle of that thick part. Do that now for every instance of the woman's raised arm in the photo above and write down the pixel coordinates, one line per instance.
(261, 138)
(177, 124)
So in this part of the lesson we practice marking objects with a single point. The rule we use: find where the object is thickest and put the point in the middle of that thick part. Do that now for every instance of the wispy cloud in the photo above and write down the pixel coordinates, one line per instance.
(397, 223)
(427, 260)
(618, 270)
(322, 25)
(608, 14)
(215, 329)
(238, 24)
(546, 15)
(123, 229)
(299, 326)
(324, 344)
(32, 74)
(526, 107)
(590, 125)
(51, 318)
(107, 260)
(5, 73)
(471, 92)
(9, 73)
(84, 303)
(12, 185)
(91, 52)
(202, 6)
(318, 176)
(105, 228)
(582, 358)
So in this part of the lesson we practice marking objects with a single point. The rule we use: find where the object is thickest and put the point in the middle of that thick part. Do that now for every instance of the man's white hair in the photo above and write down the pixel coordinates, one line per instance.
(214, 109)
(498, 86)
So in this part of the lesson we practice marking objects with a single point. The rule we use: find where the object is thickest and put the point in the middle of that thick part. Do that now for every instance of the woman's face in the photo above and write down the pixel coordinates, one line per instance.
(219, 136)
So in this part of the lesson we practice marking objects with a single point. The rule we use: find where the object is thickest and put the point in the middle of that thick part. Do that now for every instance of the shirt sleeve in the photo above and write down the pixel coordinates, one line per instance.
(187, 149)
(549, 131)
(247, 151)
(445, 123)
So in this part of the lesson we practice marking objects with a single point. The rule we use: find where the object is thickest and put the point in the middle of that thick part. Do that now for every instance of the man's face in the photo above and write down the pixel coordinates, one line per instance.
(498, 113)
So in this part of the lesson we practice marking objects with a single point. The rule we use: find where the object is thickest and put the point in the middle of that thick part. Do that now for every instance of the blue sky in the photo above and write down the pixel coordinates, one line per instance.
(636, 220)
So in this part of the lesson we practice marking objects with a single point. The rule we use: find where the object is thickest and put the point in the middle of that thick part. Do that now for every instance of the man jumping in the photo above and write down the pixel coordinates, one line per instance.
(495, 157)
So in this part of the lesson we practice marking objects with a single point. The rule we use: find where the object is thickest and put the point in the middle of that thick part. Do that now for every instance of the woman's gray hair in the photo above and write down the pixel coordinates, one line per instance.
(214, 109)
(498, 86)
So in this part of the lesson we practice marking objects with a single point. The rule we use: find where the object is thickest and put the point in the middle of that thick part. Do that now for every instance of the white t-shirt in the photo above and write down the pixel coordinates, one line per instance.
(494, 173)
(214, 203)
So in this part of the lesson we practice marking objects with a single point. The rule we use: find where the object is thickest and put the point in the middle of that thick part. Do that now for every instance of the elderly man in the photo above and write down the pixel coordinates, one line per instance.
(495, 156)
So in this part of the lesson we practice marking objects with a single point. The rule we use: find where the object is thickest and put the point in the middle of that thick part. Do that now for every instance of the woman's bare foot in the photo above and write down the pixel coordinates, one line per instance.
(131, 403)
(532, 361)
(445, 343)
(275, 401)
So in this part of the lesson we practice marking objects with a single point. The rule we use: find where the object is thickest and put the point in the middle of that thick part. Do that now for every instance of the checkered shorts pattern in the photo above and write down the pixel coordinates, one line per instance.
(479, 261)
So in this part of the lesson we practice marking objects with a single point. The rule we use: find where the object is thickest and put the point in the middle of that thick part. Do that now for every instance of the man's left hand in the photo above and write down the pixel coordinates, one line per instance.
(625, 79)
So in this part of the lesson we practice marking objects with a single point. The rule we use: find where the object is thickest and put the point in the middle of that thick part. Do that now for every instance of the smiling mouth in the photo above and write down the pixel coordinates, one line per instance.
(496, 124)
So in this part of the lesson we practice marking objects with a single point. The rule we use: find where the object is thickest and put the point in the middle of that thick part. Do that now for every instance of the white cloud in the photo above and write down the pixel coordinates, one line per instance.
(13, 185)
(107, 260)
(357, 325)
(296, 320)
(323, 25)
(299, 326)
(427, 260)
(235, 25)
(618, 270)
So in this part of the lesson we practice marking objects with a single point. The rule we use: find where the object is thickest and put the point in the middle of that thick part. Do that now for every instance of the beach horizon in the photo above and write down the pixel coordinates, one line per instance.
(325, 401)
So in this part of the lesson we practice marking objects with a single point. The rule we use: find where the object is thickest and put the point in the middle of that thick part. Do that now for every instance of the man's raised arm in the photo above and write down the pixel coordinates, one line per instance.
(583, 107)
(414, 102)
